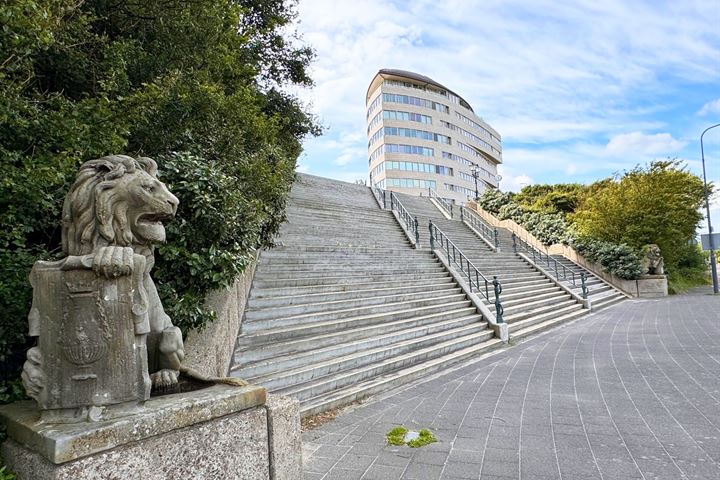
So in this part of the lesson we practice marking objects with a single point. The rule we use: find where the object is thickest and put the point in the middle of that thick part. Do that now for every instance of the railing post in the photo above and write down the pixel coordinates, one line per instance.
(417, 233)
(498, 306)
(451, 210)
(497, 242)
(514, 240)
(461, 214)
(432, 238)
(584, 288)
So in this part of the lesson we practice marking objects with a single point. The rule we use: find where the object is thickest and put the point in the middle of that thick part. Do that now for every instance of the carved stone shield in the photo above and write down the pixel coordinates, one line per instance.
(92, 354)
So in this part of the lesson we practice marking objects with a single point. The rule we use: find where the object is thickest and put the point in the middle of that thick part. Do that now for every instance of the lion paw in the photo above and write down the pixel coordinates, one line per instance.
(164, 379)
(113, 261)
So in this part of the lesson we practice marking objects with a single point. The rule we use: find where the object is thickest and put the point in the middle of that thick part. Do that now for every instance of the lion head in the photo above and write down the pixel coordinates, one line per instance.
(115, 200)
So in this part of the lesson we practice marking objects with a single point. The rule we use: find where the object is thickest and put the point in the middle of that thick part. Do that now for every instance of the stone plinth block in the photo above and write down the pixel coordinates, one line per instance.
(216, 432)
(284, 437)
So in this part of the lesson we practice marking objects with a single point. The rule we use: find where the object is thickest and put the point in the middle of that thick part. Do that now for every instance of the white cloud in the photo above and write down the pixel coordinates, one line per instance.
(644, 144)
(712, 106)
(555, 79)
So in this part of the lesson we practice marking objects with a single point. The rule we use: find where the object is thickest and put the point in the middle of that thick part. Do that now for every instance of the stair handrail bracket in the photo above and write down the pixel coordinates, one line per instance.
(487, 233)
(410, 221)
(475, 279)
(445, 206)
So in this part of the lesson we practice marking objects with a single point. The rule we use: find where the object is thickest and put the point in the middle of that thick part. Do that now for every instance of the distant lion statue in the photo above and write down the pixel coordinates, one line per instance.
(112, 217)
(653, 261)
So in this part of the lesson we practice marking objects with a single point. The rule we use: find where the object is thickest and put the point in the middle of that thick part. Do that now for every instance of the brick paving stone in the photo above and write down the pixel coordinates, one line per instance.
(630, 392)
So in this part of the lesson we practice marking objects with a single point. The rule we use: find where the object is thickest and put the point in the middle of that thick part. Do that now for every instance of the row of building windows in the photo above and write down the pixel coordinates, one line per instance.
(409, 183)
(419, 102)
(451, 96)
(418, 167)
(373, 105)
(407, 116)
(410, 133)
(395, 148)
(481, 172)
(469, 135)
(470, 122)
(457, 158)
(459, 189)
(398, 115)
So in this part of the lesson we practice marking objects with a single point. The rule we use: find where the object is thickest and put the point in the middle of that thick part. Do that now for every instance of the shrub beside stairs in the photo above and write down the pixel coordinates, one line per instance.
(344, 306)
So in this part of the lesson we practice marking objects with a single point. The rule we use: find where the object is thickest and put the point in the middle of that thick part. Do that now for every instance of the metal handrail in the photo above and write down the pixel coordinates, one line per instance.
(447, 206)
(561, 271)
(379, 196)
(411, 222)
(473, 219)
(474, 277)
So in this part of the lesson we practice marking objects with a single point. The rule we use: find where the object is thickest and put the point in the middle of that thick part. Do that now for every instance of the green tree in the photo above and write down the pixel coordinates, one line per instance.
(659, 204)
(206, 78)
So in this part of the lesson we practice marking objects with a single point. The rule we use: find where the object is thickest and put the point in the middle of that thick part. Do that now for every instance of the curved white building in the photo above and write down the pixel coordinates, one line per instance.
(421, 134)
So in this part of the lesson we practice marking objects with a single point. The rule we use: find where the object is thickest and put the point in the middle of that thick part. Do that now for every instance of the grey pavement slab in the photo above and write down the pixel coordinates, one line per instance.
(631, 392)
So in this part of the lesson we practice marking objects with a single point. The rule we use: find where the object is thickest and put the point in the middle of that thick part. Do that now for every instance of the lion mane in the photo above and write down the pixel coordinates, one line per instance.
(94, 212)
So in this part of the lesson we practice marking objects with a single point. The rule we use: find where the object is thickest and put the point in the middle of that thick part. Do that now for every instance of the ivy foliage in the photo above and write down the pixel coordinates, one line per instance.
(201, 86)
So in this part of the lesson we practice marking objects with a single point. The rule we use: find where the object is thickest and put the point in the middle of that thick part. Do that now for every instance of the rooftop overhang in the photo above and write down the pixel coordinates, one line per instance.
(404, 75)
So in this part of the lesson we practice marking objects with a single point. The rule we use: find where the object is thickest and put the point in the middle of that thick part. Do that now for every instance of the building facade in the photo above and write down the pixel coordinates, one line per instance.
(422, 135)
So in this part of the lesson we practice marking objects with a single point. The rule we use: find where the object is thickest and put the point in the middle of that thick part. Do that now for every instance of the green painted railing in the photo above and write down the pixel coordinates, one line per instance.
(411, 222)
(486, 231)
(444, 204)
(379, 196)
(476, 280)
(560, 270)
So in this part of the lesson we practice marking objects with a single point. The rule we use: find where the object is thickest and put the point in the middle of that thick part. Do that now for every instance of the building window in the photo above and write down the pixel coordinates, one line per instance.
(419, 102)
(418, 167)
(410, 183)
(408, 149)
(406, 116)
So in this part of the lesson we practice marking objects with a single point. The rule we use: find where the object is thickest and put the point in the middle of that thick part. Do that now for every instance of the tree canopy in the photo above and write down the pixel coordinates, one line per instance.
(659, 203)
(201, 85)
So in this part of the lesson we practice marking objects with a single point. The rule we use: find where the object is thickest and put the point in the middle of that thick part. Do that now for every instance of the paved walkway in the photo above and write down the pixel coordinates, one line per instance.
(632, 392)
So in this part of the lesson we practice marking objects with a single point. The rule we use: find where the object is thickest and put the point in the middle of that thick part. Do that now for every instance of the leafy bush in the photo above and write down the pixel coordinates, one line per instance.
(80, 80)
(620, 260)
(493, 199)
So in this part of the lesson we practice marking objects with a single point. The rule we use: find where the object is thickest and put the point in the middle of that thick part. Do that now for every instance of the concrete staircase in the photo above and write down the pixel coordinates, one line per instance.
(600, 293)
(532, 302)
(344, 307)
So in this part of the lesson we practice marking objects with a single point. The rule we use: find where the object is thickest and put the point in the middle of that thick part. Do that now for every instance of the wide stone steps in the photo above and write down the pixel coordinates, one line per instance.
(253, 313)
(305, 352)
(352, 376)
(343, 280)
(357, 312)
(277, 300)
(349, 271)
(361, 285)
(393, 378)
(265, 345)
(284, 332)
(313, 369)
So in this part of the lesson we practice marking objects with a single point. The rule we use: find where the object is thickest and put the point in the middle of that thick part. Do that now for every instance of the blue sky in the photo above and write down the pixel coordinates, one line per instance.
(578, 90)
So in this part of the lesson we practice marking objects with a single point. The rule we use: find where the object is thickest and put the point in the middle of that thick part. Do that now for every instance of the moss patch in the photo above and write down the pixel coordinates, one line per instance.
(425, 438)
(396, 437)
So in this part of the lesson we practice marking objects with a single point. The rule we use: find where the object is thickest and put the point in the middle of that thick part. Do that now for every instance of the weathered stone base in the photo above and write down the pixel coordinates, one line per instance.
(219, 432)
(232, 447)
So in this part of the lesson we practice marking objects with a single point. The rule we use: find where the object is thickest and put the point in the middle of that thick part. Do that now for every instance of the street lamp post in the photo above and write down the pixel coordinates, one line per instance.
(475, 172)
(713, 265)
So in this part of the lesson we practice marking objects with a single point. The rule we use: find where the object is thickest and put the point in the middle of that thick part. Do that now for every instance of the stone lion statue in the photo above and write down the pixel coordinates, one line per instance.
(112, 217)
(653, 261)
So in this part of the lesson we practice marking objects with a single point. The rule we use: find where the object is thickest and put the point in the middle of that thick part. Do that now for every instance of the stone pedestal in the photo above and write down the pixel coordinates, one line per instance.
(217, 432)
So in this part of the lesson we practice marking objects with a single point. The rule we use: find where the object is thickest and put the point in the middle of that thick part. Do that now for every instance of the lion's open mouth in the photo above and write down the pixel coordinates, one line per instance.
(153, 218)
